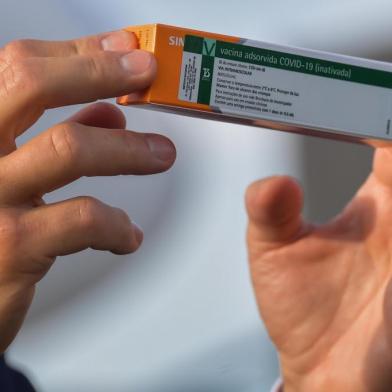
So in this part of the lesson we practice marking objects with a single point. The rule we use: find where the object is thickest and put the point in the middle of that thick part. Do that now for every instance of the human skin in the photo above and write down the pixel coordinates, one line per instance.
(325, 291)
(39, 75)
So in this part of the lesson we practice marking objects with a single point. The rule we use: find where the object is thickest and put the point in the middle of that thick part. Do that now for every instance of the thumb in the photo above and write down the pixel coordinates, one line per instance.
(274, 208)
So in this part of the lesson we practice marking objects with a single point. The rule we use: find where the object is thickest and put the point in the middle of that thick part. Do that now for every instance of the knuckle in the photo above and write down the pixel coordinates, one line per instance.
(20, 76)
(133, 142)
(129, 139)
(66, 143)
(18, 49)
(10, 235)
(89, 212)
(94, 68)
(86, 45)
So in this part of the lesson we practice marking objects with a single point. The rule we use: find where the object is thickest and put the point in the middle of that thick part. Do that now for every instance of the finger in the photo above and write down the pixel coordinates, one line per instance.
(274, 210)
(115, 41)
(71, 150)
(30, 86)
(388, 313)
(378, 143)
(381, 165)
(85, 223)
(100, 115)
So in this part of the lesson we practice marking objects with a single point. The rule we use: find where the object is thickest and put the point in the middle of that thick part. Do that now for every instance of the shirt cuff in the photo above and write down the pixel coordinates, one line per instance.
(278, 386)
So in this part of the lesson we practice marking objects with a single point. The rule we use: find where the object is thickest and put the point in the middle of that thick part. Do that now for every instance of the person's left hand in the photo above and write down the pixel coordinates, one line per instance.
(325, 291)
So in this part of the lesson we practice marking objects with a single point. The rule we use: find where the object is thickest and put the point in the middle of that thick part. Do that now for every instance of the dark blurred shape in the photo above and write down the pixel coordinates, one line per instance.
(12, 380)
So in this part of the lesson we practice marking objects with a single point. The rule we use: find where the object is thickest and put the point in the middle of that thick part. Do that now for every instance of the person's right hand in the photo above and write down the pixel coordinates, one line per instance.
(38, 75)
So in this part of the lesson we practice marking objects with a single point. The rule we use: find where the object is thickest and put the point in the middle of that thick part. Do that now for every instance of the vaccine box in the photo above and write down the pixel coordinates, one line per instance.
(256, 83)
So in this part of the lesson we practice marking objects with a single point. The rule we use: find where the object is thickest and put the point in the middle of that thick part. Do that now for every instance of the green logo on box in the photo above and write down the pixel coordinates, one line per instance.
(209, 46)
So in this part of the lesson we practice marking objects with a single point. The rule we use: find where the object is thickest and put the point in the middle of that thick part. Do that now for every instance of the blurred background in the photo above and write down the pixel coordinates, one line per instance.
(179, 315)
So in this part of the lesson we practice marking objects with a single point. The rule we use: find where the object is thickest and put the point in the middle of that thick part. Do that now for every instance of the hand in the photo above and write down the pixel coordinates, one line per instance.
(325, 292)
(38, 75)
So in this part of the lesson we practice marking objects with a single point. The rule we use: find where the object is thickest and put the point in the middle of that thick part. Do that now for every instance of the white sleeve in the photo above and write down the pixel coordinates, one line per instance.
(278, 386)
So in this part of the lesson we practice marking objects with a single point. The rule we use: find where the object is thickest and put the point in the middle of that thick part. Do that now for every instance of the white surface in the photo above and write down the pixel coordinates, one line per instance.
(179, 315)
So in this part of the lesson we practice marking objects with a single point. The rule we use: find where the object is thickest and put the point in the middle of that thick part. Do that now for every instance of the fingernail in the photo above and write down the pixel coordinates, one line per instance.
(137, 62)
(119, 41)
(161, 147)
(138, 233)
